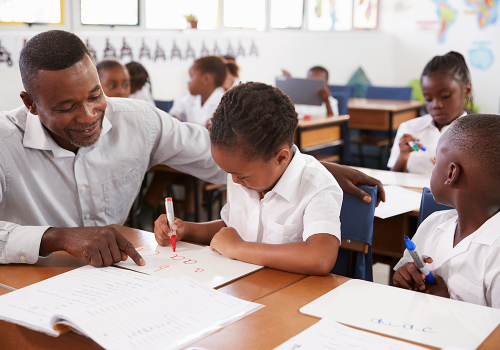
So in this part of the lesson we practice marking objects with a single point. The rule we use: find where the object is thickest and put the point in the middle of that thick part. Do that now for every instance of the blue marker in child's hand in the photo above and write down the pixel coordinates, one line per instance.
(415, 147)
(417, 258)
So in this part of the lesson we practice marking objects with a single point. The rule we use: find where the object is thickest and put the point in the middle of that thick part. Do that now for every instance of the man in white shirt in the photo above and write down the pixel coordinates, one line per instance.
(72, 161)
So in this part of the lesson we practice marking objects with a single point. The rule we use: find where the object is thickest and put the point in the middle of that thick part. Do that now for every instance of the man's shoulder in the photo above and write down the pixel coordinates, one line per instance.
(315, 174)
(12, 122)
(129, 107)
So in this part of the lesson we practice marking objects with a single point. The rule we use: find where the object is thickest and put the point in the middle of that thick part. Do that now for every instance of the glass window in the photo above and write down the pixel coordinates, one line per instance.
(31, 11)
(365, 14)
(170, 14)
(110, 12)
(287, 13)
(245, 14)
(329, 14)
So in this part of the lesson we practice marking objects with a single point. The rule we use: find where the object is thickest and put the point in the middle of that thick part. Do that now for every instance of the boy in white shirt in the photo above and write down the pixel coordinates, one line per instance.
(283, 208)
(464, 243)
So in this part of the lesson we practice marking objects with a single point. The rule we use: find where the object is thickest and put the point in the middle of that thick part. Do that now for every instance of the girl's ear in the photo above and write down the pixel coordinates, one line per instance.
(282, 156)
(452, 174)
(207, 78)
(467, 91)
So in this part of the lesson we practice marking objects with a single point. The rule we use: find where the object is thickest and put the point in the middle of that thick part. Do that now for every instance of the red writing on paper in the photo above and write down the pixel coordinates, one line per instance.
(199, 270)
(189, 261)
(161, 268)
(177, 257)
(147, 251)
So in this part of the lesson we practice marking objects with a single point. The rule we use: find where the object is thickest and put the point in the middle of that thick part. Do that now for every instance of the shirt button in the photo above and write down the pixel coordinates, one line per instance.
(84, 188)
(22, 258)
(87, 216)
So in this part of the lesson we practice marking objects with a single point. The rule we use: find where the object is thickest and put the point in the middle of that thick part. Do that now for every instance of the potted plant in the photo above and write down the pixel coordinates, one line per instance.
(192, 20)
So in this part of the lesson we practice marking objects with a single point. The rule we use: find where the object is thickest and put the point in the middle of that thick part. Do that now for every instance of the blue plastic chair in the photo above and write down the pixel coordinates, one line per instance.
(164, 105)
(348, 89)
(342, 99)
(389, 93)
(428, 205)
(356, 219)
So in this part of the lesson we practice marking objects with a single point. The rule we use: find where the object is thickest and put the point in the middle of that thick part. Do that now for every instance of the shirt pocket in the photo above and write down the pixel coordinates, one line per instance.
(462, 289)
(120, 193)
(279, 234)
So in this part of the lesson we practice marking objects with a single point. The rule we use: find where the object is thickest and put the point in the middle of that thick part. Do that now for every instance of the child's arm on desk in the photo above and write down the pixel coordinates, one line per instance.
(316, 256)
(200, 233)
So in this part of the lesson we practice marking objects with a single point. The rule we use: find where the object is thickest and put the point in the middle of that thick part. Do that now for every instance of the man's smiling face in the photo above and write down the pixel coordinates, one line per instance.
(70, 104)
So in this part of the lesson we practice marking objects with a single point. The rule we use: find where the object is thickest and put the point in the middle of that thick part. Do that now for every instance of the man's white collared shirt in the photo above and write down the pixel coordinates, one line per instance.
(305, 201)
(43, 185)
(471, 269)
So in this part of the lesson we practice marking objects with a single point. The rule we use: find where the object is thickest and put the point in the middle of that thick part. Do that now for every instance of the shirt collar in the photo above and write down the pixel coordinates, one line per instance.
(37, 137)
(288, 185)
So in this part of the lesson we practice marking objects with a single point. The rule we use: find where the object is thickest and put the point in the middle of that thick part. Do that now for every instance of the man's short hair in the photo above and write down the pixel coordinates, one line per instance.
(51, 50)
(477, 137)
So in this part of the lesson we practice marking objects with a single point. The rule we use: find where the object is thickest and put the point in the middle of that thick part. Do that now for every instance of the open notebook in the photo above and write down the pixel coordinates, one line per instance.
(121, 309)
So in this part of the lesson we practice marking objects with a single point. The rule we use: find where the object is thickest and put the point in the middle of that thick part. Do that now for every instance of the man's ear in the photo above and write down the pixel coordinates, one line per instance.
(452, 174)
(29, 102)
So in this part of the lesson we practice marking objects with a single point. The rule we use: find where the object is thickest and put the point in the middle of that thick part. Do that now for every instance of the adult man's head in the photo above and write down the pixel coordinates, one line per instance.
(62, 88)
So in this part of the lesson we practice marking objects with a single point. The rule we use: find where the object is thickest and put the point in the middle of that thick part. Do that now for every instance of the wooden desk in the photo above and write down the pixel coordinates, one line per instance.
(251, 288)
(280, 319)
(385, 115)
(322, 132)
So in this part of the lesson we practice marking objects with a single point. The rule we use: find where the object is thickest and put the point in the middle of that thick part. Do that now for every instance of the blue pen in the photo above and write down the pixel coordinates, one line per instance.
(417, 258)
(415, 147)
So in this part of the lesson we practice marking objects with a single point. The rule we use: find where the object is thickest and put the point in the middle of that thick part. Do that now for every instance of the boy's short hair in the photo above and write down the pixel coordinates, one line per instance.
(107, 64)
(320, 69)
(477, 136)
(254, 118)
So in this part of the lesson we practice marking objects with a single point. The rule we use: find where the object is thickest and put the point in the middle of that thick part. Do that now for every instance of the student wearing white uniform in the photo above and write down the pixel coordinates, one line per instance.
(140, 83)
(447, 88)
(281, 204)
(114, 78)
(463, 245)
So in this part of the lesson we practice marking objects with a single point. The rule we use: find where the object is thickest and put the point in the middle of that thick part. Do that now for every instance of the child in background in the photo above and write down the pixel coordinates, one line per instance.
(114, 77)
(447, 89)
(329, 107)
(464, 243)
(140, 85)
(283, 208)
(207, 74)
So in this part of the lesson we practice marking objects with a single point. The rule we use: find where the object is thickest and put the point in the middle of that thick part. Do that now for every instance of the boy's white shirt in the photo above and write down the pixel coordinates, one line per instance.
(318, 110)
(471, 269)
(305, 201)
(189, 108)
(424, 129)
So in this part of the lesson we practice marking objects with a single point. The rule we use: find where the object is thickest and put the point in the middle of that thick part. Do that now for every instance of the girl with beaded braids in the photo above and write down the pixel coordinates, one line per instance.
(447, 89)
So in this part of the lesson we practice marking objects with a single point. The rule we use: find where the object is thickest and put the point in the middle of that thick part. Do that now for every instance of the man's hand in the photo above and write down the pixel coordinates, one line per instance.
(101, 246)
(226, 242)
(163, 232)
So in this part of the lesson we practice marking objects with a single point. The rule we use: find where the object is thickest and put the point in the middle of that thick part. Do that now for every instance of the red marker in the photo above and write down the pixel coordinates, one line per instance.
(169, 206)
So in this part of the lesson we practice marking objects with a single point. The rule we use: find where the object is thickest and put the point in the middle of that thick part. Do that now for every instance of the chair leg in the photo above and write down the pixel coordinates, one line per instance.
(351, 265)
(360, 153)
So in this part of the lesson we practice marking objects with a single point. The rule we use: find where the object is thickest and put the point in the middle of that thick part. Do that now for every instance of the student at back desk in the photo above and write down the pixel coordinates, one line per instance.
(447, 89)
(463, 244)
(140, 85)
(283, 208)
(114, 78)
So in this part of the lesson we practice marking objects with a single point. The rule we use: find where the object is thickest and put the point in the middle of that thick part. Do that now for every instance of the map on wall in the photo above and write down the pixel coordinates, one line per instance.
(487, 11)
(447, 16)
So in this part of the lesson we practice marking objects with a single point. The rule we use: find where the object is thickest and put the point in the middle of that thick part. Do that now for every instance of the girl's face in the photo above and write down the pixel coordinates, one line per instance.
(199, 82)
(444, 97)
(115, 82)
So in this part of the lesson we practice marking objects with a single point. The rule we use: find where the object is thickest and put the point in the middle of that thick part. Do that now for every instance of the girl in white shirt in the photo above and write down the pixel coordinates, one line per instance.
(140, 82)
(207, 74)
(114, 78)
(462, 245)
(447, 89)
(283, 208)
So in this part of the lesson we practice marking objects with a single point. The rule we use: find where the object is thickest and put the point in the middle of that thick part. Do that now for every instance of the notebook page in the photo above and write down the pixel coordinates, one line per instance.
(167, 315)
(34, 306)
(330, 335)
(399, 200)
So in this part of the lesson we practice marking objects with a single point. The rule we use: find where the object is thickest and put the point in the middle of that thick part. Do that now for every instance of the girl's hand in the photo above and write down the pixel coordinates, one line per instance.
(226, 241)
(163, 232)
(404, 146)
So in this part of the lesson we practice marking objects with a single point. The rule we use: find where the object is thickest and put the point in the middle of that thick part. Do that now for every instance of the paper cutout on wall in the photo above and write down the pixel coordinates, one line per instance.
(126, 50)
(92, 51)
(144, 52)
(230, 50)
(109, 51)
(253, 50)
(159, 52)
(176, 52)
(190, 52)
(217, 51)
(204, 50)
(5, 55)
(241, 50)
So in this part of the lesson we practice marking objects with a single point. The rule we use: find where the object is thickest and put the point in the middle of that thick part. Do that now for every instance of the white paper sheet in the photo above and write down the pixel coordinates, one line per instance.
(398, 200)
(198, 262)
(405, 314)
(330, 335)
(388, 177)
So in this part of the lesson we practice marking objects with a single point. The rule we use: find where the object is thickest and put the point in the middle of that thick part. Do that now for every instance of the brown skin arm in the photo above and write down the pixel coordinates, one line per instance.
(100, 246)
(316, 256)
(349, 178)
(404, 153)
(324, 94)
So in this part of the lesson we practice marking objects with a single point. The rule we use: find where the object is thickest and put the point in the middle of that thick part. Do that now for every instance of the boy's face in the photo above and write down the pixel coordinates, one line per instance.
(115, 82)
(318, 74)
(256, 174)
(439, 189)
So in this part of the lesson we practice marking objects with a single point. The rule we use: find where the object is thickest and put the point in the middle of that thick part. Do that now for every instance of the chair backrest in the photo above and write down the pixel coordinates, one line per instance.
(164, 105)
(389, 93)
(428, 205)
(342, 99)
(348, 89)
(356, 219)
